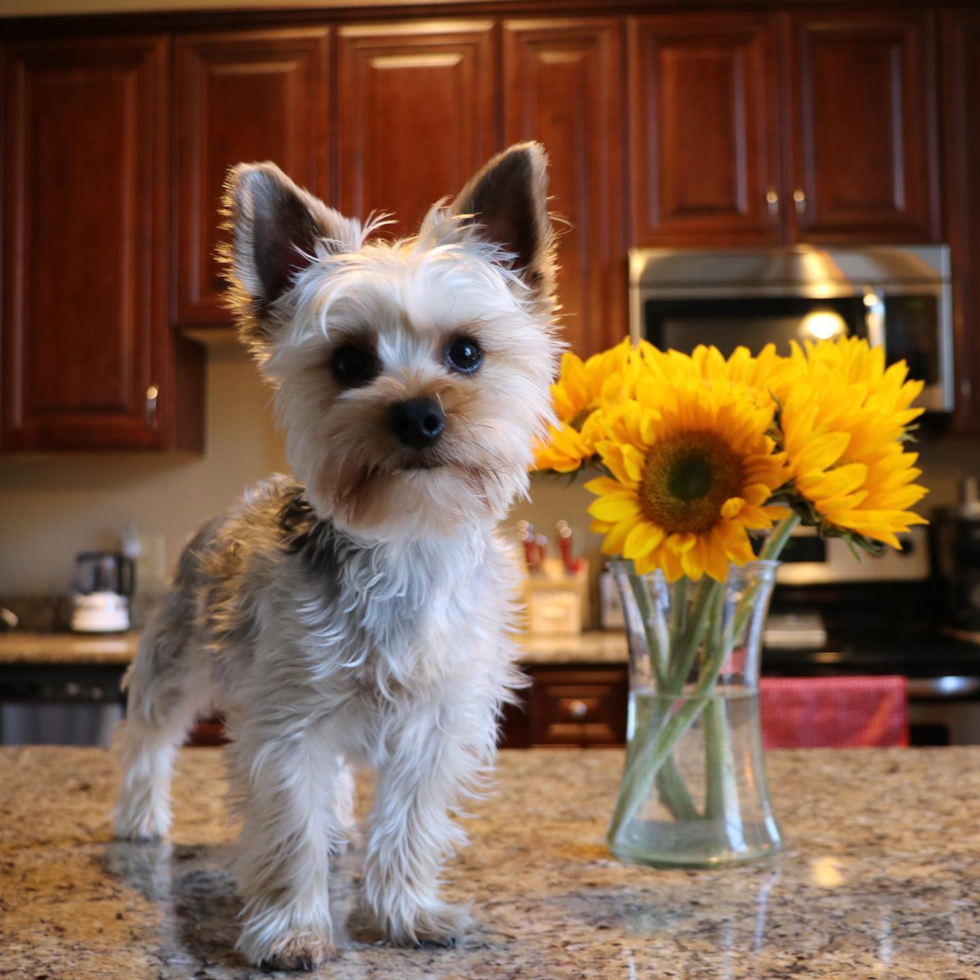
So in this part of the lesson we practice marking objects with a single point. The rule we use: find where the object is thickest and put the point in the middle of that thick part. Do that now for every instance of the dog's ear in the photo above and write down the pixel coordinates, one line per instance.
(278, 230)
(508, 201)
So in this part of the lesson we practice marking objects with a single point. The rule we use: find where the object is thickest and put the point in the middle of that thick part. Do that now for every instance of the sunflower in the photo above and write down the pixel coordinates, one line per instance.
(762, 374)
(692, 470)
(581, 388)
(844, 421)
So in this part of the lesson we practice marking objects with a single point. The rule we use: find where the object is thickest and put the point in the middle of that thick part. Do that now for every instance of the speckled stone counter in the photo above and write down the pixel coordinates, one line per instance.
(595, 647)
(73, 648)
(880, 879)
(68, 648)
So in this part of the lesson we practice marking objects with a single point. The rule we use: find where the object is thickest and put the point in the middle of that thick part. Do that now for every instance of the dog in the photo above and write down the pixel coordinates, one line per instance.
(359, 614)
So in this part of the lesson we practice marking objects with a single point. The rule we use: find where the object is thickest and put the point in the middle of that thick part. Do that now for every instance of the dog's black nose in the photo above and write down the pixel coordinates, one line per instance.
(416, 423)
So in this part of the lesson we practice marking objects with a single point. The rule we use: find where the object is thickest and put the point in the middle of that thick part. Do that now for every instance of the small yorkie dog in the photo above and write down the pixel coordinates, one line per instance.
(359, 614)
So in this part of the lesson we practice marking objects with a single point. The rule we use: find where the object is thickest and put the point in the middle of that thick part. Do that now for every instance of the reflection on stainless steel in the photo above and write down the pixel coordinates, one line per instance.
(943, 687)
(822, 324)
(827, 657)
(794, 631)
(671, 270)
(970, 636)
(839, 564)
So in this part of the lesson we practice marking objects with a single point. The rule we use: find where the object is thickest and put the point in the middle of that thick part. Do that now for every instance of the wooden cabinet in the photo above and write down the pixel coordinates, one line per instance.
(856, 128)
(89, 361)
(717, 127)
(239, 97)
(571, 705)
(961, 138)
(562, 85)
(863, 146)
(415, 114)
(703, 129)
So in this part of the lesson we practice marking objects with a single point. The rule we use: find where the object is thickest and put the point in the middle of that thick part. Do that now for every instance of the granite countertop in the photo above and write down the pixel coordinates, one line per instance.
(67, 648)
(880, 878)
(595, 647)
(74, 648)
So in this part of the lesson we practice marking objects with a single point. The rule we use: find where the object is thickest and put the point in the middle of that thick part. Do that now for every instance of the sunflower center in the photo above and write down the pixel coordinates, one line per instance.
(689, 478)
(686, 479)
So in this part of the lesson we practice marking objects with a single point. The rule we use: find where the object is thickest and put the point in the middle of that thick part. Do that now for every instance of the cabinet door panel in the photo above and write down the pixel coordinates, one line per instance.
(84, 264)
(415, 115)
(961, 139)
(704, 162)
(563, 86)
(863, 136)
(578, 706)
(240, 98)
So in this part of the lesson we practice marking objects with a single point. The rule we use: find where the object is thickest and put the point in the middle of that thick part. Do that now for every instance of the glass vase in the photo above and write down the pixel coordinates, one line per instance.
(694, 791)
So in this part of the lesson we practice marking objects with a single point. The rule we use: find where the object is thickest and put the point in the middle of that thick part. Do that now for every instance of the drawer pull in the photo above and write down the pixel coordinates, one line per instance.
(578, 709)
(152, 394)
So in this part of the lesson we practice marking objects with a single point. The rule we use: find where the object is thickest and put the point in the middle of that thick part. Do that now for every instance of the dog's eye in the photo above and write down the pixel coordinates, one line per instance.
(352, 365)
(464, 355)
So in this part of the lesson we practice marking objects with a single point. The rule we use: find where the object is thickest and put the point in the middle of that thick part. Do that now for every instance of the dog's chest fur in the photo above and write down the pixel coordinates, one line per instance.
(340, 619)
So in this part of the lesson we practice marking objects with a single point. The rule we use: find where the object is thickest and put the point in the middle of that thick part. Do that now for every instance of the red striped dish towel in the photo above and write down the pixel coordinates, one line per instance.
(833, 712)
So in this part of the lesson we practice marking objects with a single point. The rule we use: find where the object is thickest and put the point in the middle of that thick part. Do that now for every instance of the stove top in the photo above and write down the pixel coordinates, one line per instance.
(915, 653)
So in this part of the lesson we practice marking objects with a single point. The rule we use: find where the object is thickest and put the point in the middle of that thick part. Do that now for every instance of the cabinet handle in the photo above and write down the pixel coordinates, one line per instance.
(578, 709)
(152, 394)
(799, 198)
(772, 200)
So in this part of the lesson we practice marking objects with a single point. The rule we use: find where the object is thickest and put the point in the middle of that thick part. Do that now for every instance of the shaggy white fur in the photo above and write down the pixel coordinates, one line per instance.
(359, 615)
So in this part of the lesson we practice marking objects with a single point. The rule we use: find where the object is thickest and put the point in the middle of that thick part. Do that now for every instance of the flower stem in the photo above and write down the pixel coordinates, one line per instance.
(671, 787)
(722, 801)
(657, 645)
(773, 547)
(692, 637)
(652, 752)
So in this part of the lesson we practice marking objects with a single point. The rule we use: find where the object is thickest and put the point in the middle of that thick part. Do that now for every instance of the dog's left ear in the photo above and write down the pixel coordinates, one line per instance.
(508, 201)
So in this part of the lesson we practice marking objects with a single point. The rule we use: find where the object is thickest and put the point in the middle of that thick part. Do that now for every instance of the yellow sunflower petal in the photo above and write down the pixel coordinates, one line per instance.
(615, 507)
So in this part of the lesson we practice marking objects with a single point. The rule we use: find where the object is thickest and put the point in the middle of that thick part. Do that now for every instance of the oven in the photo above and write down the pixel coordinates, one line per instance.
(833, 614)
(898, 297)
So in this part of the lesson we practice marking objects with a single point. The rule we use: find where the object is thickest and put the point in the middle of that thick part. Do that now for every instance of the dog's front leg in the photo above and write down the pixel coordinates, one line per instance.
(411, 832)
(286, 792)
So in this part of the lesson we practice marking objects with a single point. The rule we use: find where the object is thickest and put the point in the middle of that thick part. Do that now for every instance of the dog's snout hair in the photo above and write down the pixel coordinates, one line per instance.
(359, 612)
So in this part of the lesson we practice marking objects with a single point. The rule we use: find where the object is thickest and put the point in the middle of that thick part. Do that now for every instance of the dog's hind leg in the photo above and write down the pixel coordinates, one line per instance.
(168, 688)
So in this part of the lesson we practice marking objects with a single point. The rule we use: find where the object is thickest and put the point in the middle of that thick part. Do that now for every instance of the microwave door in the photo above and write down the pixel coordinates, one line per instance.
(727, 322)
(914, 324)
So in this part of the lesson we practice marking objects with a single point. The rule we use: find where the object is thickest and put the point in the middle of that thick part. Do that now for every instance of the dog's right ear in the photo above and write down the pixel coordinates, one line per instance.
(278, 230)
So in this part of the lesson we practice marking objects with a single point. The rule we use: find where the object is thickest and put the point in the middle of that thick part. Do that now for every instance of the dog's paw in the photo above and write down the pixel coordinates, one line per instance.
(442, 925)
(433, 925)
(304, 951)
(145, 826)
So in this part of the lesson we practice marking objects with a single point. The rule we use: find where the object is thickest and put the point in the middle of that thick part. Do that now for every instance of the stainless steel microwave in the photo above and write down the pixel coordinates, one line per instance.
(898, 297)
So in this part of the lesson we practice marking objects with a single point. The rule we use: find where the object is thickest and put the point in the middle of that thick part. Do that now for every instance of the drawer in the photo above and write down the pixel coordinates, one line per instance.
(578, 707)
